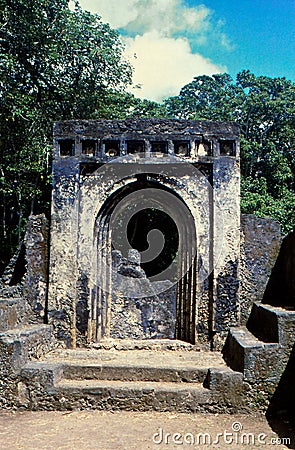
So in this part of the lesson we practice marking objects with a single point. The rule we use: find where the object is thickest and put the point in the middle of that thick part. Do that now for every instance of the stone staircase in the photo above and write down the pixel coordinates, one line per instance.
(155, 375)
(21, 338)
(166, 376)
(261, 350)
(20, 341)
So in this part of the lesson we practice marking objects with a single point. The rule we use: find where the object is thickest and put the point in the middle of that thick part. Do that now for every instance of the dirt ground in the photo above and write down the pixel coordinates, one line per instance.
(97, 430)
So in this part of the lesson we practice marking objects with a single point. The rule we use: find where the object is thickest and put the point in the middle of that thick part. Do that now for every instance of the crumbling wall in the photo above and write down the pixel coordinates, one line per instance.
(36, 277)
(11, 279)
(149, 317)
(261, 240)
(280, 290)
(23, 286)
(23, 335)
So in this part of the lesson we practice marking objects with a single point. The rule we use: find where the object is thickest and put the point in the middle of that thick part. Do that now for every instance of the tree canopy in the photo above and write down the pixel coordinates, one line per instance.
(60, 64)
(55, 64)
(264, 107)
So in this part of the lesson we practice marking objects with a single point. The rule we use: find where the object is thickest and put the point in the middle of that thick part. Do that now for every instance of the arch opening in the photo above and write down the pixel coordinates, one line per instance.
(148, 288)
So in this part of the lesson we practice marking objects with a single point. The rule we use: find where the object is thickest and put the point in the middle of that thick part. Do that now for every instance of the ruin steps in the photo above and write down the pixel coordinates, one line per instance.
(159, 380)
(260, 350)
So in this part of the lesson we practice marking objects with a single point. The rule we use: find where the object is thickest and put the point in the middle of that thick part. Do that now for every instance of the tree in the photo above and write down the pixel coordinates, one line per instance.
(146, 108)
(211, 98)
(267, 122)
(265, 109)
(55, 64)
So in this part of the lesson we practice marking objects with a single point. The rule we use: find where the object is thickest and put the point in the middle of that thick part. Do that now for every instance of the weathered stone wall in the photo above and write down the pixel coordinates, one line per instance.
(17, 347)
(147, 317)
(280, 290)
(146, 127)
(36, 277)
(264, 352)
(23, 334)
(14, 312)
(81, 189)
(63, 250)
(260, 244)
(226, 188)
(23, 286)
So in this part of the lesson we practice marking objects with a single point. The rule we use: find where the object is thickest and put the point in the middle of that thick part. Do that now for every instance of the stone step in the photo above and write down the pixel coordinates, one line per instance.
(146, 344)
(245, 353)
(272, 324)
(136, 396)
(137, 365)
(141, 373)
(136, 379)
(12, 313)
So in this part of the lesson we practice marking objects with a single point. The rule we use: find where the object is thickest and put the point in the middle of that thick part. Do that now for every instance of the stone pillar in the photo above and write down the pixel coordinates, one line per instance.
(226, 245)
(63, 249)
(36, 278)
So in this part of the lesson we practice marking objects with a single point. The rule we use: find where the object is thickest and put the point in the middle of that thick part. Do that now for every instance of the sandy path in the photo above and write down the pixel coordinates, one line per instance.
(96, 430)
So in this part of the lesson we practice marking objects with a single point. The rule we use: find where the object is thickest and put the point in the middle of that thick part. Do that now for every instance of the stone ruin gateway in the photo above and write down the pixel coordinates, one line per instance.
(147, 289)
(99, 166)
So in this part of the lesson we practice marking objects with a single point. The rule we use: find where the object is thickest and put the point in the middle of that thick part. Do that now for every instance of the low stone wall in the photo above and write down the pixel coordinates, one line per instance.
(280, 290)
(264, 352)
(261, 240)
(17, 347)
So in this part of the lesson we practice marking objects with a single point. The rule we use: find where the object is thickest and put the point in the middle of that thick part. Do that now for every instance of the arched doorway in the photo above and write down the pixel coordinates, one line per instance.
(155, 296)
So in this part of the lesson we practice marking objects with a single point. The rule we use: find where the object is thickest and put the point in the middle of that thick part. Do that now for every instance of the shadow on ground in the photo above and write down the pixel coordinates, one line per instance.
(281, 410)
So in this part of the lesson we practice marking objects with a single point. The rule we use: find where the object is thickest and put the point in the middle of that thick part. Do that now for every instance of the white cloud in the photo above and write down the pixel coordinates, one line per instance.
(162, 65)
(140, 16)
(118, 13)
(160, 32)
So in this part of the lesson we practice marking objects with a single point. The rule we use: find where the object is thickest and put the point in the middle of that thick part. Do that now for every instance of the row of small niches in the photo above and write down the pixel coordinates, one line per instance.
(113, 148)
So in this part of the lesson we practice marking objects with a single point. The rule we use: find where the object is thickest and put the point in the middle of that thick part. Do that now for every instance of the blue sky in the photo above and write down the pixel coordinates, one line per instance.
(168, 42)
(263, 32)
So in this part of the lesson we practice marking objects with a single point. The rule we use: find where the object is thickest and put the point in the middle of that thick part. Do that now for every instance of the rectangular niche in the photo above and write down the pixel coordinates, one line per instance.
(111, 148)
(159, 147)
(182, 148)
(66, 147)
(135, 147)
(87, 169)
(227, 148)
(89, 147)
(204, 148)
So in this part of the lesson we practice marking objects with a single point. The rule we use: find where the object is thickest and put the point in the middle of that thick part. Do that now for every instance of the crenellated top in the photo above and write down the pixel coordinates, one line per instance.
(108, 139)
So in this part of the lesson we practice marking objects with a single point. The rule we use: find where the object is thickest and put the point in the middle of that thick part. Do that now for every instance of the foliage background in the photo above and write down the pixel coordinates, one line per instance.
(58, 64)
